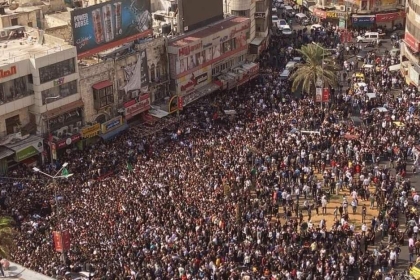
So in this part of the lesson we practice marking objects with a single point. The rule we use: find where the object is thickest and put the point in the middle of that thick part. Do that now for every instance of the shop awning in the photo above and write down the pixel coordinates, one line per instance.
(5, 152)
(103, 84)
(158, 113)
(113, 133)
(63, 109)
(257, 41)
(31, 140)
(207, 89)
(395, 67)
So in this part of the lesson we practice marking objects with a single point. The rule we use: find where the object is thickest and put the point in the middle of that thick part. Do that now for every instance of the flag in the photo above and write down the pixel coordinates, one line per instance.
(129, 166)
(64, 172)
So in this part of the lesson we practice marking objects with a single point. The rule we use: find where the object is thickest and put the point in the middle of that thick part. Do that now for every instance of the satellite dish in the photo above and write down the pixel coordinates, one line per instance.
(13, 6)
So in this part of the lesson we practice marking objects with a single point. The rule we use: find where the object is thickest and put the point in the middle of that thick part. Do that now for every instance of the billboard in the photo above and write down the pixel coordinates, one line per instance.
(109, 24)
(199, 13)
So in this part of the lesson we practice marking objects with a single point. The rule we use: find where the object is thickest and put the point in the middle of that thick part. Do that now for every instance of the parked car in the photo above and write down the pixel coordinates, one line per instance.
(282, 23)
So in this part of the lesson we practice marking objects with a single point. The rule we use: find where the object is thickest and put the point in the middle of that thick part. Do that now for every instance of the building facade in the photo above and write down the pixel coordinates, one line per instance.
(360, 14)
(124, 86)
(258, 11)
(410, 46)
(39, 95)
(207, 60)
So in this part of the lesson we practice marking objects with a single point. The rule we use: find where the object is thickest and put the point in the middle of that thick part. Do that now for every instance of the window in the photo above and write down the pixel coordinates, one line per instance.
(62, 91)
(260, 25)
(243, 13)
(57, 70)
(158, 74)
(226, 47)
(260, 7)
(14, 21)
(12, 125)
(14, 89)
(103, 97)
(363, 5)
(30, 24)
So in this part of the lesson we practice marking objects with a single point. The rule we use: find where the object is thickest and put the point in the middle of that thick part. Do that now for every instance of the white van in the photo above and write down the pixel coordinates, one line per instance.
(289, 11)
(369, 37)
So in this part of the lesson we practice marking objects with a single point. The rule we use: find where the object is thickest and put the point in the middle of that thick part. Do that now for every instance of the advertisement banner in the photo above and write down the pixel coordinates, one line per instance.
(411, 42)
(109, 24)
(190, 82)
(138, 78)
(389, 16)
(363, 21)
(135, 107)
(91, 131)
(61, 241)
(320, 13)
(325, 94)
(111, 124)
(68, 141)
(318, 95)
(384, 4)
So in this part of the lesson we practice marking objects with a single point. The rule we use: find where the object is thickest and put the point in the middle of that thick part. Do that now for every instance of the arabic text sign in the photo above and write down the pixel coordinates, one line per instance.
(8, 72)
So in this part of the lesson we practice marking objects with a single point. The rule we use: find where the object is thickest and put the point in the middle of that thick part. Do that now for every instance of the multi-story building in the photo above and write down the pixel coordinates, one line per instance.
(39, 95)
(258, 11)
(410, 46)
(206, 60)
(360, 14)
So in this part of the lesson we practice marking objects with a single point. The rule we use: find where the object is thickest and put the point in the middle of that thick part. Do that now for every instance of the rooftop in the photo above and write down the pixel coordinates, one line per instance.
(206, 31)
(13, 50)
(16, 271)
(64, 16)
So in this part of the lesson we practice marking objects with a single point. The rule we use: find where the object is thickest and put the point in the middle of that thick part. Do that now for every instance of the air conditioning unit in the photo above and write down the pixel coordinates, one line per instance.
(343, 8)
(59, 134)
(79, 124)
(76, 130)
(172, 14)
(349, 9)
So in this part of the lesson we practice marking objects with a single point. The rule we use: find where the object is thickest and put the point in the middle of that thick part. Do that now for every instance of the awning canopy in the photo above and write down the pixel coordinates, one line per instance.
(207, 89)
(5, 152)
(113, 133)
(31, 140)
(257, 41)
(102, 85)
(395, 67)
(158, 113)
(63, 109)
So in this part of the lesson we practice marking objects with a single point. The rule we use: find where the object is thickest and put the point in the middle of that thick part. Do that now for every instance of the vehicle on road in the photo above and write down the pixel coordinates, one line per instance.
(282, 23)
(286, 30)
(290, 12)
(316, 26)
(369, 37)
(275, 20)
(362, 55)
(415, 271)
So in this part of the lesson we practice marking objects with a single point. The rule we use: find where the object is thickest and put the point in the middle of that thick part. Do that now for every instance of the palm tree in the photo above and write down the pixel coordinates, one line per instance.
(6, 236)
(318, 65)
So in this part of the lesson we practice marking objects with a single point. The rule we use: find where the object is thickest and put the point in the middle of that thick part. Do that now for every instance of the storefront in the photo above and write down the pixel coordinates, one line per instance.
(27, 149)
(136, 106)
(66, 144)
(388, 20)
(362, 21)
(113, 128)
(247, 72)
(258, 45)
(89, 134)
(6, 155)
(318, 13)
(195, 59)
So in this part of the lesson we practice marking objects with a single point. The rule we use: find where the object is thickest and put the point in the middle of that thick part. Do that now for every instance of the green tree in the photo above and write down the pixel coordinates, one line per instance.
(6, 236)
(318, 65)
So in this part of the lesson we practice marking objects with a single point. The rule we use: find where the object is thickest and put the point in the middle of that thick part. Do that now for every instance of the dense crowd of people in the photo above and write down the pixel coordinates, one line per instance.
(222, 195)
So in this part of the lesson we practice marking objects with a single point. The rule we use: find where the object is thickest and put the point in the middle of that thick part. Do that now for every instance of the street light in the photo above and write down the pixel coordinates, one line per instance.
(54, 177)
(48, 123)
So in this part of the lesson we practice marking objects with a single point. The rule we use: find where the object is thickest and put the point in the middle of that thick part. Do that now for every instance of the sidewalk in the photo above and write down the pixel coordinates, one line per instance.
(16, 271)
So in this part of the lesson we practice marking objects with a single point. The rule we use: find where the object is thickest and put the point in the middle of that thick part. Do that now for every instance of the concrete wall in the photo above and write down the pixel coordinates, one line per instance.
(114, 71)
(23, 117)
(62, 32)
(23, 17)
(90, 76)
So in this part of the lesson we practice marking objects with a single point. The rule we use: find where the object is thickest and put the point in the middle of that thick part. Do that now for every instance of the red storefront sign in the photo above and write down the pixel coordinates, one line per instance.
(135, 107)
(68, 141)
(411, 42)
(180, 103)
(250, 74)
(61, 240)
(320, 13)
(389, 16)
